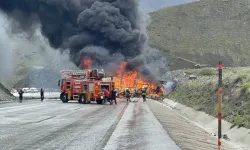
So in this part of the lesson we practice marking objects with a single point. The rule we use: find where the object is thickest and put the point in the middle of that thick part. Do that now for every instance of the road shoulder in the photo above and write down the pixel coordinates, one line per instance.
(186, 134)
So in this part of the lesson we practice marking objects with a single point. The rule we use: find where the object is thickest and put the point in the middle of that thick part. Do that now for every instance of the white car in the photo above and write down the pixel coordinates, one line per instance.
(13, 91)
(34, 90)
(26, 90)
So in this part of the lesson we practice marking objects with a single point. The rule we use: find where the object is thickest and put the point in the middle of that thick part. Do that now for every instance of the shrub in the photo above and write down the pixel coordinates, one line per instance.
(238, 120)
(245, 87)
(207, 72)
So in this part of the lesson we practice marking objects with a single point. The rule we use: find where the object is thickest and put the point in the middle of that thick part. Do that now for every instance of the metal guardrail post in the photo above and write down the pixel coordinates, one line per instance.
(219, 104)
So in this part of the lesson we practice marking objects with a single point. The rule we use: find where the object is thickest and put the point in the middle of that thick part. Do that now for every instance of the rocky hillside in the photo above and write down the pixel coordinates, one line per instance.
(205, 31)
(5, 94)
(40, 78)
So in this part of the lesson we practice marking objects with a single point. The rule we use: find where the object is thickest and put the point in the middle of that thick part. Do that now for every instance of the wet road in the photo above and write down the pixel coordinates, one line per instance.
(54, 125)
(139, 129)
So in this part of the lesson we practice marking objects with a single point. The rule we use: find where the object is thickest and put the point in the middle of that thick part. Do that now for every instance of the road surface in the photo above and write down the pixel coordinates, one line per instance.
(52, 125)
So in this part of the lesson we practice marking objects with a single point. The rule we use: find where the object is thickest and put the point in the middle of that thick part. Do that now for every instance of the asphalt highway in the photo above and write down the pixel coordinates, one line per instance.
(53, 125)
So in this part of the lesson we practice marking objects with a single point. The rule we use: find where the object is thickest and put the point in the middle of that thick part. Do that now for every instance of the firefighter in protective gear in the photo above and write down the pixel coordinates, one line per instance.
(113, 95)
(144, 93)
(127, 94)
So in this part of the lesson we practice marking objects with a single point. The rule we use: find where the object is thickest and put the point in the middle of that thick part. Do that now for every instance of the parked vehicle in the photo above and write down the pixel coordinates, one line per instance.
(84, 85)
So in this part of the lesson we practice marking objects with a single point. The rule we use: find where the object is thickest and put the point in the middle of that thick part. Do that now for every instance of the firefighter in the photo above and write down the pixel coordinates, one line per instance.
(106, 94)
(127, 94)
(113, 95)
(42, 94)
(135, 93)
(143, 93)
(20, 92)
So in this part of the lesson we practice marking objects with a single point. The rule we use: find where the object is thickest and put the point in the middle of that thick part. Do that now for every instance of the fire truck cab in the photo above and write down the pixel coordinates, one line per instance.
(84, 85)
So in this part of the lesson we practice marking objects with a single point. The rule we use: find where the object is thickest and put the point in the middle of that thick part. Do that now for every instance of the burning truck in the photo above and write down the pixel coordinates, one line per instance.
(134, 81)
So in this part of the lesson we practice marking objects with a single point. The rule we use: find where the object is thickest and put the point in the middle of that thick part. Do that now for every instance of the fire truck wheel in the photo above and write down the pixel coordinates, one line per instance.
(103, 102)
(63, 98)
(99, 101)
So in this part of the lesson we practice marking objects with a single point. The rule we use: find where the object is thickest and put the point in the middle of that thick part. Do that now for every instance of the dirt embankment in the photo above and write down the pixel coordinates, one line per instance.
(186, 135)
(201, 93)
(5, 94)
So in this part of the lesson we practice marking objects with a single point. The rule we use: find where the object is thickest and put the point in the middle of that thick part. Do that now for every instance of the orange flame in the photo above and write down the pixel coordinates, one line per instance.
(134, 81)
(127, 79)
(86, 63)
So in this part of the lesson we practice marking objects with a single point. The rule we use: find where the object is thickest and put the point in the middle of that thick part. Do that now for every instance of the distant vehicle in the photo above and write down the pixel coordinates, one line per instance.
(34, 90)
(13, 91)
(26, 90)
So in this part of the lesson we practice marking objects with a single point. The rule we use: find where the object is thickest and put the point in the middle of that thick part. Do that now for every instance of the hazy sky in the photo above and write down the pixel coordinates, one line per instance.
(152, 5)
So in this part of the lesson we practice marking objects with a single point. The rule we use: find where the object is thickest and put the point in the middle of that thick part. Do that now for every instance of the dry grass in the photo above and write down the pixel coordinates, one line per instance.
(201, 94)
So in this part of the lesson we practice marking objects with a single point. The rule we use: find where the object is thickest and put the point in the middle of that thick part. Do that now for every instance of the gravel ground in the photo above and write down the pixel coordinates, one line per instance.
(186, 135)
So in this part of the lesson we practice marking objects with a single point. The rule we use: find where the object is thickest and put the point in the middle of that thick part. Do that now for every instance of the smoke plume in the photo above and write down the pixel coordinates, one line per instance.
(108, 31)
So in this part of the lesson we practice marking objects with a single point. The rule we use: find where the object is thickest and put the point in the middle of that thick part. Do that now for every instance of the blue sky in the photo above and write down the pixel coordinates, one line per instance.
(152, 5)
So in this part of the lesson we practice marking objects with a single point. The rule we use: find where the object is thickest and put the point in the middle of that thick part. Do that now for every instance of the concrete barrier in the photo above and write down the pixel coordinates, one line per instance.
(237, 135)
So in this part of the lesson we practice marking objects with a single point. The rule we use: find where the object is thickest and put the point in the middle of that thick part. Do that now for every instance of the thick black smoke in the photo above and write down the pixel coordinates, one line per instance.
(96, 28)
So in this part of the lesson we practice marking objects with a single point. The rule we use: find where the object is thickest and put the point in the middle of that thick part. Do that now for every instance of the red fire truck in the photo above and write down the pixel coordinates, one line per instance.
(84, 85)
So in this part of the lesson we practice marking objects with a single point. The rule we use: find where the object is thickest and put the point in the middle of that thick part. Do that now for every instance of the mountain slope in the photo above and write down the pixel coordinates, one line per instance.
(5, 94)
(40, 78)
(202, 93)
(206, 31)
(151, 5)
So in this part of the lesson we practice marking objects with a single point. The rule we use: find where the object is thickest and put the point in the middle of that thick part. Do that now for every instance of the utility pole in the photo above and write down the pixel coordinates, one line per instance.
(219, 104)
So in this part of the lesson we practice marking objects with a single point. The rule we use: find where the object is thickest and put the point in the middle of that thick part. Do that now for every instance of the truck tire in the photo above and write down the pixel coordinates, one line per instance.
(99, 101)
(64, 98)
(103, 101)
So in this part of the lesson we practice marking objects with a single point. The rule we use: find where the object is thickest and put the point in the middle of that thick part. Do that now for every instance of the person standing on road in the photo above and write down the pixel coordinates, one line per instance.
(143, 93)
(106, 94)
(134, 94)
(113, 96)
(20, 92)
(42, 94)
(128, 94)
